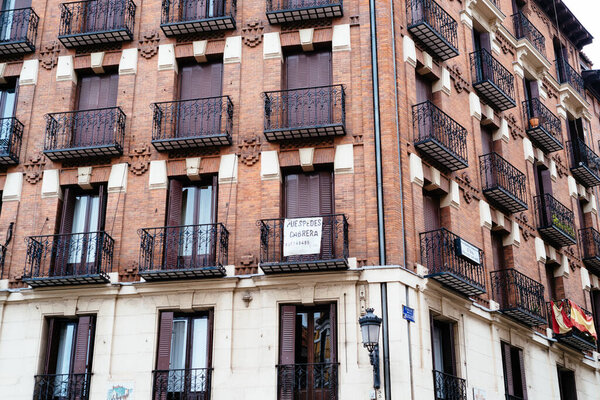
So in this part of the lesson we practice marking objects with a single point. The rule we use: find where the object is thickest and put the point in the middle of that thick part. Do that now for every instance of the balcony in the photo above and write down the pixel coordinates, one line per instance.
(584, 163)
(18, 31)
(96, 22)
(184, 17)
(308, 113)
(64, 386)
(188, 384)
(519, 296)
(589, 245)
(433, 28)
(192, 124)
(318, 381)
(11, 135)
(567, 74)
(449, 387)
(579, 339)
(493, 82)
(329, 255)
(68, 259)
(453, 262)
(84, 134)
(442, 140)
(543, 127)
(183, 252)
(524, 29)
(502, 183)
(285, 11)
(555, 222)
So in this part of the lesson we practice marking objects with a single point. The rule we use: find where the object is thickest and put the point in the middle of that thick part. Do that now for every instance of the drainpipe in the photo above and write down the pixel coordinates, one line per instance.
(379, 180)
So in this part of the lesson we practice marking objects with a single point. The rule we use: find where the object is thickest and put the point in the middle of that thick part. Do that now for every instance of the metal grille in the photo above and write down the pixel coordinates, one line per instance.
(589, 246)
(567, 74)
(11, 136)
(555, 221)
(285, 11)
(525, 29)
(180, 17)
(187, 251)
(503, 183)
(182, 384)
(73, 258)
(543, 127)
(433, 27)
(18, 31)
(439, 137)
(519, 296)
(493, 82)
(318, 381)
(449, 387)
(585, 164)
(63, 387)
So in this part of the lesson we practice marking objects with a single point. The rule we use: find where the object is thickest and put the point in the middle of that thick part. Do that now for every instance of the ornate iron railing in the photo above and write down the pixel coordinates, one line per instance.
(486, 69)
(519, 296)
(333, 249)
(318, 381)
(84, 130)
(191, 123)
(525, 29)
(568, 74)
(511, 397)
(589, 245)
(182, 384)
(499, 174)
(319, 109)
(62, 386)
(175, 11)
(543, 126)
(449, 387)
(580, 340)
(100, 21)
(555, 220)
(183, 248)
(11, 136)
(18, 30)
(440, 255)
(433, 125)
(72, 258)
(2, 259)
(584, 163)
(436, 18)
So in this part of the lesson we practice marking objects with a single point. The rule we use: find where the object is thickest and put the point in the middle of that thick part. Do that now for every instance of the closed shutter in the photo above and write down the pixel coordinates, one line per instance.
(83, 345)
(51, 348)
(431, 212)
(508, 369)
(171, 240)
(287, 353)
(201, 80)
(291, 194)
(68, 211)
(96, 92)
(522, 372)
(101, 207)
(326, 208)
(333, 333)
(165, 332)
(497, 251)
(424, 89)
(63, 242)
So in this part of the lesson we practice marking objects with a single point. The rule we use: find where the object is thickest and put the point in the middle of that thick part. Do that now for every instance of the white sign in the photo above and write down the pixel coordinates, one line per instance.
(468, 251)
(302, 236)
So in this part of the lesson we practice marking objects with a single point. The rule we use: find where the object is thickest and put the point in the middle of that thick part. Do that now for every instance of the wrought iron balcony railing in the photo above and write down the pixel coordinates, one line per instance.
(568, 74)
(68, 259)
(433, 28)
(182, 384)
(96, 22)
(18, 31)
(494, 83)
(285, 11)
(449, 387)
(584, 163)
(62, 386)
(519, 296)
(524, 29)
(512, 397)
(184, 17)
(575, 338)
(555, 221)
(318, 381)
(332, 253)
(589, 246)
(180, 252)
(543, 127)
(453, 262)
(502, 183)
(189, 124)
(305, 113)
(438, 137)
(84, 134)
(11, 136)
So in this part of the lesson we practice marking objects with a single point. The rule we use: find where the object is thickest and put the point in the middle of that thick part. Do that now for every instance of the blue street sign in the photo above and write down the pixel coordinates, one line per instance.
(408, 313)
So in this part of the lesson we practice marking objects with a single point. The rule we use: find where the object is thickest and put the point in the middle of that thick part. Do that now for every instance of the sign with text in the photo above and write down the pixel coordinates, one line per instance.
(408, 313)
(302, 236)
(467, 251)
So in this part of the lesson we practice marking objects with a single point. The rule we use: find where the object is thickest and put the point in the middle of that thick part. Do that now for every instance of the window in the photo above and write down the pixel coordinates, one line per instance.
(531, 89)
(566, 382)
(487, 143)
(96, 93)
(307, 352)
(575, 128)
(514, 372)
(308, 194)
(446, 385)
(431, 212)
(308, 69)
(481, 41)
(13, 27)
(184, 356)
(8, 102)
(543, 181)
(550, 283)
(561, 55)
(498, 251)
(423, 88)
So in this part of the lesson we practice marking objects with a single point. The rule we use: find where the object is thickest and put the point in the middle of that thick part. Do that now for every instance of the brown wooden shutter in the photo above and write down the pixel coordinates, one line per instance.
(51, 347)
(288, 335)
(497, 251)
(83, 345)
(424, 89)
(292, 182)
(165, 331)
(200, 81)
(62, 244)
(522, 371)
(68, 211)
(508, 369)
(306, 70)
(431, 212)
(333, 333)
(101, 207)
(326, 208)
(98, 91)
(171, 240)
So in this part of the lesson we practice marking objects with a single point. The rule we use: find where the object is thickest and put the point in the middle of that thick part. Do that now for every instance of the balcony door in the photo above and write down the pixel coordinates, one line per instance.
(200, 108)
(103, 15)
(184, 356)
(97, 127)
(444, 361)
(8, 101)
(514, 372)
(14, 25)
(193, 10)
(191, 235)
(308, 79)
(307, 353)
(566, 383)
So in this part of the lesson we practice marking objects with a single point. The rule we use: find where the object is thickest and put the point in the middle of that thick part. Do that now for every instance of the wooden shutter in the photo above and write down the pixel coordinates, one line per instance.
(292, 182)
(171, 240)
(449, 346)
(497, 251)
(333, 333)
(165, 331)
(51, 347)
(508, 369)
(522, 371)
(98, 91)
(68, 211)
(424, 89)
(83, 345)
(288, 335)
(101, 207)
(431, 212)
(201, 80)
(326, 208)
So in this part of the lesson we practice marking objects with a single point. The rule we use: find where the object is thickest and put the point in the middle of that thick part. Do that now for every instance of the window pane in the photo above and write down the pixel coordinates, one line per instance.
(177, 361)
(205, 217)
(78, 227)
(63, 358)
(322, 337)
(302, 338)
(199, 354)
(94, 204)
(187, 218)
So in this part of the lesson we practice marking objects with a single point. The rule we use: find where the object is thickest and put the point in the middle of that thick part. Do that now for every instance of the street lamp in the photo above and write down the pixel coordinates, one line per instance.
(369, 327)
